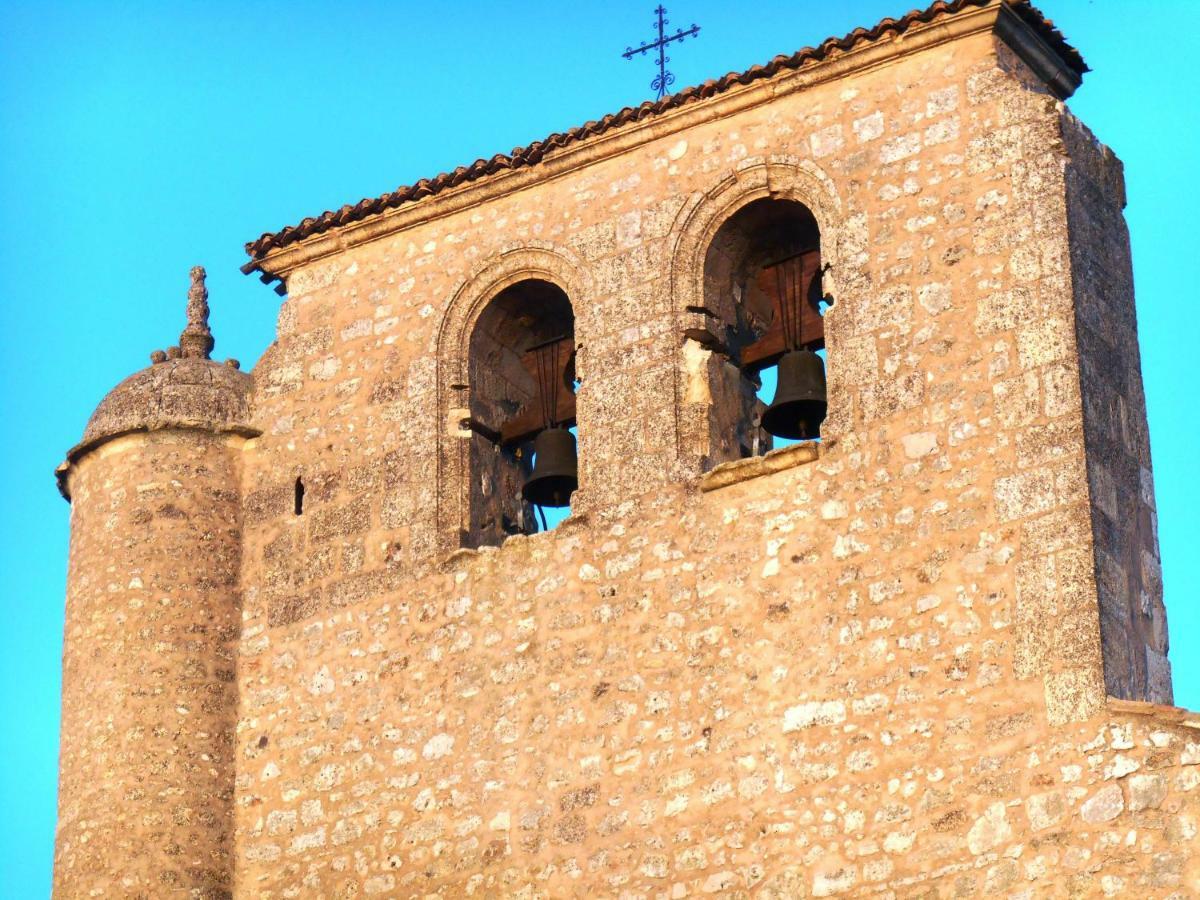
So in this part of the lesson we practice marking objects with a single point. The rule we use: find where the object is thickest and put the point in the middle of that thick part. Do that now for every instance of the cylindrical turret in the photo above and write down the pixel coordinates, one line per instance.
(149, 694)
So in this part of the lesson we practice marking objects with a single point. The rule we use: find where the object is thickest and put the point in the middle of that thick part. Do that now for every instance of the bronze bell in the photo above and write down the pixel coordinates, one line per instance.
(800, 401)
(555, 469)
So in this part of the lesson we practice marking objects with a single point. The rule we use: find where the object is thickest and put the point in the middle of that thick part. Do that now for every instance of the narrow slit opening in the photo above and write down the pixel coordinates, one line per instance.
(299, 508)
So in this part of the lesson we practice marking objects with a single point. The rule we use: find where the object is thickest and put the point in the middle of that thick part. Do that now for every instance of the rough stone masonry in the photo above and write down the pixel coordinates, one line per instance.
(317, 647)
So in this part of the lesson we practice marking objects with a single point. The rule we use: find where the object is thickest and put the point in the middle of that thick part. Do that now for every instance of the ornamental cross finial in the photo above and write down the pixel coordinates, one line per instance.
(663, 79)
(196, 341)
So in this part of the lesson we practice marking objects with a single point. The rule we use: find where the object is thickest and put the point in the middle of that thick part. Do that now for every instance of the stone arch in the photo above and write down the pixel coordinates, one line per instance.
(533, 261)
(783, 178)
(776, 177)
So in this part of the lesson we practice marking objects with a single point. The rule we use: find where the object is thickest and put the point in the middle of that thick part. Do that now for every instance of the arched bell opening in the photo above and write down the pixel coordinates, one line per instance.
(765, 334)
(521, 398)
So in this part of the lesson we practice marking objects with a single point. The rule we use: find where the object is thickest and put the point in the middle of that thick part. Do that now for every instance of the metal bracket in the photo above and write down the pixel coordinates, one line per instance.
(482, 430)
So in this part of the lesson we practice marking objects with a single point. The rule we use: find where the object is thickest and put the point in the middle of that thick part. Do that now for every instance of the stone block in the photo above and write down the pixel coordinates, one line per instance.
(1146, 791)
(1103, 806)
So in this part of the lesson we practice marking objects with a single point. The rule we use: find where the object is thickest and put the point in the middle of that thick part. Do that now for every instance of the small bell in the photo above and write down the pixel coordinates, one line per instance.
(800, 401)
(555, 469)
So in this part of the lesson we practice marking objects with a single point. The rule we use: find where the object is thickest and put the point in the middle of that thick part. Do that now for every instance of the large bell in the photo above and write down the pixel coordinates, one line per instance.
(555, 470)
(800, 401)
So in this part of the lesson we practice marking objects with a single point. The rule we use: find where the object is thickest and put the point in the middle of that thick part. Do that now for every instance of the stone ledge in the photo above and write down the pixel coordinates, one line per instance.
(745, 469)
(465, 554)
(1175, 714)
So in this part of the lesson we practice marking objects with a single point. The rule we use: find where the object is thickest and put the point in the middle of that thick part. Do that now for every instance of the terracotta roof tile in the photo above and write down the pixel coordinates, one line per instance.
(532, 154)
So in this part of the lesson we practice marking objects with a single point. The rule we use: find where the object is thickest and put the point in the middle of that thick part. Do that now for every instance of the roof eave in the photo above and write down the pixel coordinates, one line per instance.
(1062, 80)
(999, 18)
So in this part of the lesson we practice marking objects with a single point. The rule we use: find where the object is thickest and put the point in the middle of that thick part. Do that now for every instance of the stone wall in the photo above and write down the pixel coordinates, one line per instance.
(876, 667)
(875, 664)
(681, 711)
(1133, 620)
(149, 658)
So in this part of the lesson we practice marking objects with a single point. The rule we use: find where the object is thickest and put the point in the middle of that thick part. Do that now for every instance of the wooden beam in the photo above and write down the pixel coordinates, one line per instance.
(767, 350)
(528, 421)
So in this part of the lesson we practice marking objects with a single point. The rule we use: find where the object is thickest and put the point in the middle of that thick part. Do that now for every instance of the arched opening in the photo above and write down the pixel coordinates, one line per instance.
(521, 398)
(763, 307)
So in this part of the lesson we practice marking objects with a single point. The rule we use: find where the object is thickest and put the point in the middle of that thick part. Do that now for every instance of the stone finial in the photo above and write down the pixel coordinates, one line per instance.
(196, 341)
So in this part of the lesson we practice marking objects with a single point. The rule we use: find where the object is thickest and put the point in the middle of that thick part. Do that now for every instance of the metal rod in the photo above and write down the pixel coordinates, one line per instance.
(664, 78)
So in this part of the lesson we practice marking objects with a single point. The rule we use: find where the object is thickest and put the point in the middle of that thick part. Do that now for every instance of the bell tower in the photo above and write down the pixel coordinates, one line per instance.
(922, 650)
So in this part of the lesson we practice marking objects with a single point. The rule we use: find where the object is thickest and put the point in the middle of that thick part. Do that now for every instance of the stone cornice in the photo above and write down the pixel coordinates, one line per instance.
(119, 439)
(995, 18)
(1037, 54)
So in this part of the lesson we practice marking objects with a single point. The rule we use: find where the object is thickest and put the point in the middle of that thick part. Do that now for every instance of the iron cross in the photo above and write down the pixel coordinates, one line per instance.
(663, 79)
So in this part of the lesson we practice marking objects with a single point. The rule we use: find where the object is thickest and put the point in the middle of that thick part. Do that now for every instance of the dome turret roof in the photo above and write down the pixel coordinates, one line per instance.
(182, 388)
(183, 392)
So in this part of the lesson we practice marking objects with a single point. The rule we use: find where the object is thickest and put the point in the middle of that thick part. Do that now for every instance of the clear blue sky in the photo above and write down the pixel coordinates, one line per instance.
(139, 139)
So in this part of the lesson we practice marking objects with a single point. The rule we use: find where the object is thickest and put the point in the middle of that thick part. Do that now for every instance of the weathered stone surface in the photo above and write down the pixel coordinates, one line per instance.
(1045, 810)
(1104, 806)
(990, 830)
(338, 659)
(1146, 791)
(829, 712)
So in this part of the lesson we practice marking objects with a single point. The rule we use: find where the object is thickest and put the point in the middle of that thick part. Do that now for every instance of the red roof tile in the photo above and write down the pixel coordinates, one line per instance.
(533, 153)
